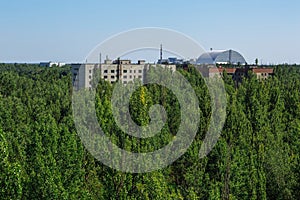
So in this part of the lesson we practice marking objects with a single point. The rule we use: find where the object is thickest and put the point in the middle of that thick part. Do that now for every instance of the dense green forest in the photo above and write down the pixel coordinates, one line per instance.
(42, 157)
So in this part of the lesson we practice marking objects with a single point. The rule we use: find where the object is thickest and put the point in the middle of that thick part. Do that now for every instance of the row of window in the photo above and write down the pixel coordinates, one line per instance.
(111, 77)
(124, 71)
(124, 77)
(264, 74)
(130, 77)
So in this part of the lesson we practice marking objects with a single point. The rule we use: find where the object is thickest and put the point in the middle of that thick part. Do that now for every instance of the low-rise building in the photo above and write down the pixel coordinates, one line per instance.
(263, 73)
(236, 73)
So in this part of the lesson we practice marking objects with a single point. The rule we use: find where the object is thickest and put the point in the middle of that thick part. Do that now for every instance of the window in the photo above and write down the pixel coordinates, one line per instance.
(112, 71)
(112, 77)
(125, 82)
(105, 71)
(105, 77)
(125, 71)
(125, 77)
(140, 76)
(90, 76)
(140, 71)
(130, 76)
(90, 71)
(133, 71)
(130, 71)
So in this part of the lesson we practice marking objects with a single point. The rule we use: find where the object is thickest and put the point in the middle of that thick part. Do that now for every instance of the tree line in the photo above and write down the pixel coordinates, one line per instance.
(42, 157)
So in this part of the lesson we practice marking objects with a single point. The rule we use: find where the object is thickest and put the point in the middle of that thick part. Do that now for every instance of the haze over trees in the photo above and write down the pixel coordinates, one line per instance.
(42, 157)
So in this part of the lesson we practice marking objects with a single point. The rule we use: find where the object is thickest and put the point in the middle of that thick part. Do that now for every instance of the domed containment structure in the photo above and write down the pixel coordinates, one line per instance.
(221, 57)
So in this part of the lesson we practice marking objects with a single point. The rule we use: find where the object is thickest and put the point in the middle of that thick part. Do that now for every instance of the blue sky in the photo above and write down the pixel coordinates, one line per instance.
(67, 30)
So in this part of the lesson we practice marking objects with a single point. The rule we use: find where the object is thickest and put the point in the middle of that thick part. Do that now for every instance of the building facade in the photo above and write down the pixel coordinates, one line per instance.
(112, 71)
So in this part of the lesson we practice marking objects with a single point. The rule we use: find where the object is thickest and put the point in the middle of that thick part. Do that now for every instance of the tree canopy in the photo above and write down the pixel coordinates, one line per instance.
(42, 157)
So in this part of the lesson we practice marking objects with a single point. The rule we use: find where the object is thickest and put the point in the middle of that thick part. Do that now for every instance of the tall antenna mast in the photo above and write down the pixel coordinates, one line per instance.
(100, 60)
(161, 52)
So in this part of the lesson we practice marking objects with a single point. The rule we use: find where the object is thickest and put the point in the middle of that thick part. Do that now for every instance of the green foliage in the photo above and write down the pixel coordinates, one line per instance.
(256, 157)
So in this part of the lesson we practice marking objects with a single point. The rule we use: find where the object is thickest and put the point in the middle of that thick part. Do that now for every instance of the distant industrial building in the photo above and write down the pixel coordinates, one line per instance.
(221, 57)
(207, 62)
(171, 60)
(112, 71)
(51, 64)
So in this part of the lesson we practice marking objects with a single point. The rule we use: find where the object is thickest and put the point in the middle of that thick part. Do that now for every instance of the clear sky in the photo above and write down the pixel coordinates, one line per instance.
(67, 30)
